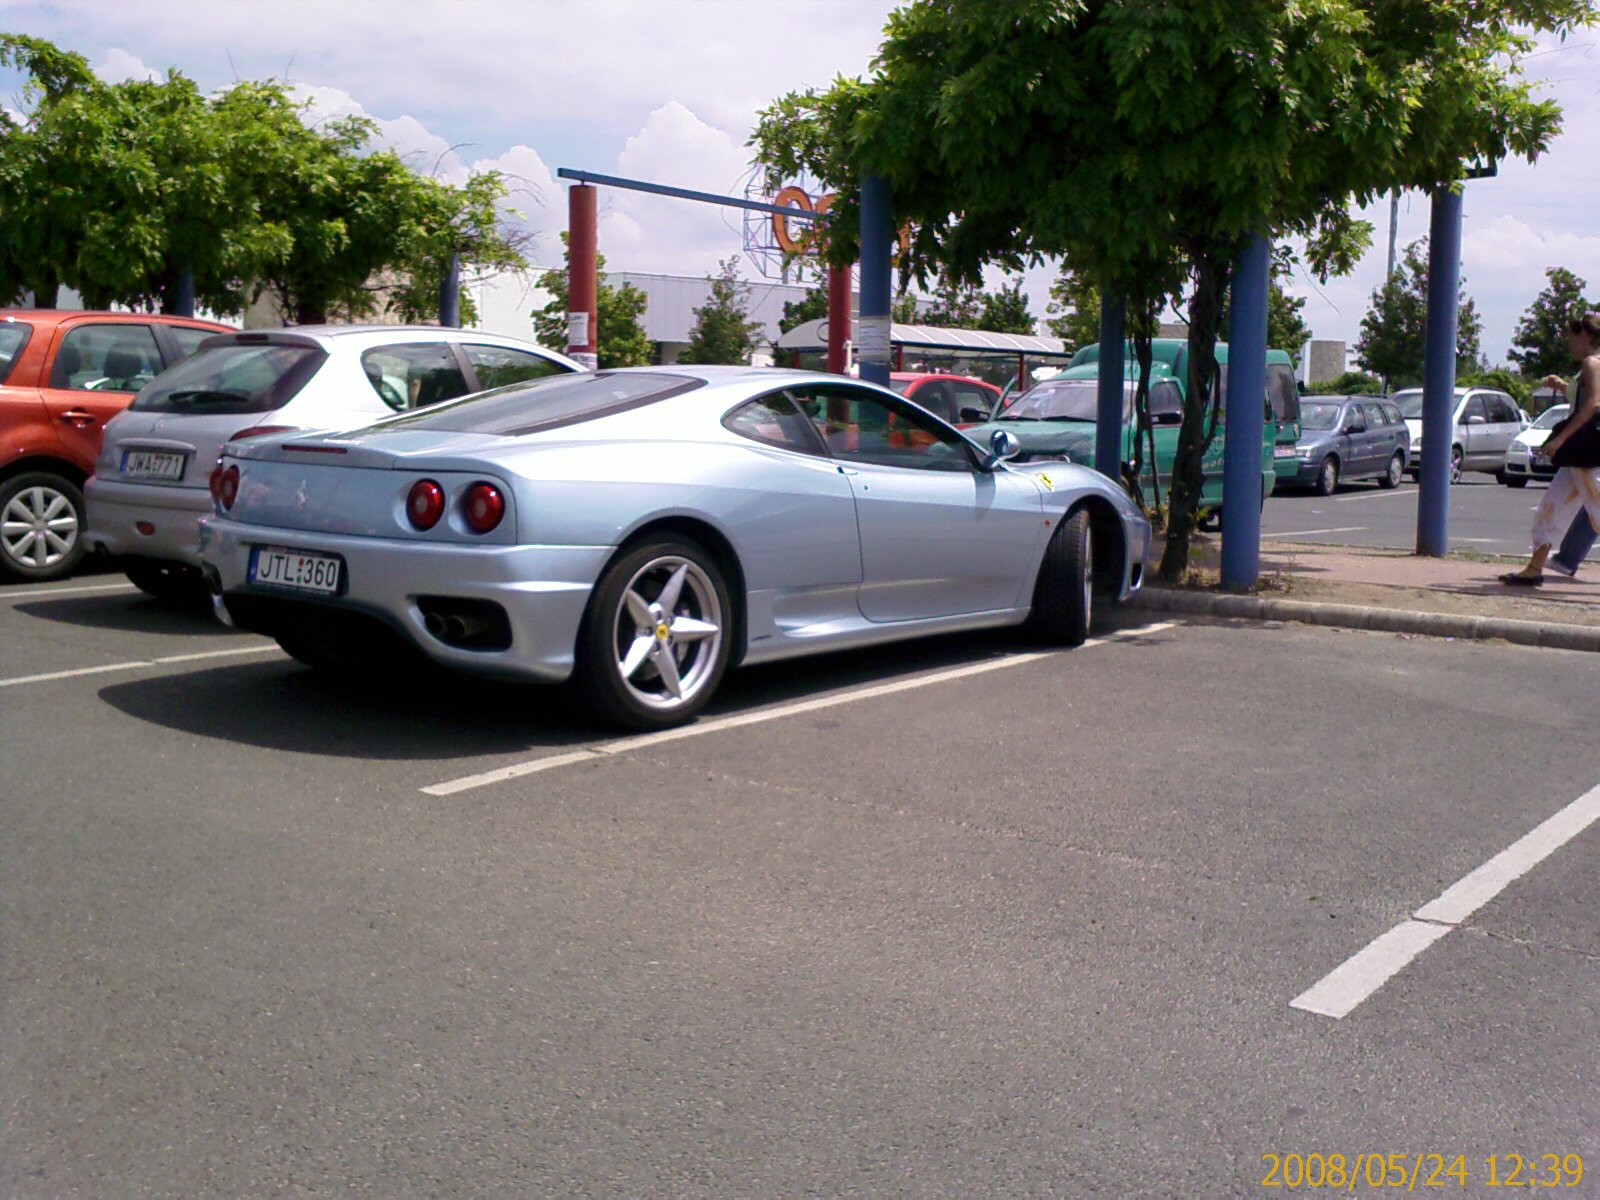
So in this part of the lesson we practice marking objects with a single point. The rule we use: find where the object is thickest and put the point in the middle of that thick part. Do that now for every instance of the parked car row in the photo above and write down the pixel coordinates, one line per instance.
(63, 377)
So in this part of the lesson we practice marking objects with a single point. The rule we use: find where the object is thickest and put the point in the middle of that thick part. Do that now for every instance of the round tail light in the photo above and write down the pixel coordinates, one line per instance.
(425, 504)
(228, 486)
(482, 507)
(215, 482)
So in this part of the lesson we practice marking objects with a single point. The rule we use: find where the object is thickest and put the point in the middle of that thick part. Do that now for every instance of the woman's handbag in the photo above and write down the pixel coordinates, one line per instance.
(1582, 449)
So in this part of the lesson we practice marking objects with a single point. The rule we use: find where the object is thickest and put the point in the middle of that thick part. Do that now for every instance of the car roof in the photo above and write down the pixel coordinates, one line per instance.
(46, 317)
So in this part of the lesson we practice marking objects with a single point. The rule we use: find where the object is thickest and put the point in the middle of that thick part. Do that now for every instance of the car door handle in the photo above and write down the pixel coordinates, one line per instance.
(76, 416)
(847, 470)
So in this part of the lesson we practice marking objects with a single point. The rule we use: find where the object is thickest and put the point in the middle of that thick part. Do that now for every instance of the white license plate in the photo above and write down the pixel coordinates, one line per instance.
(1283, 452)
(152, 464)
(282, 567)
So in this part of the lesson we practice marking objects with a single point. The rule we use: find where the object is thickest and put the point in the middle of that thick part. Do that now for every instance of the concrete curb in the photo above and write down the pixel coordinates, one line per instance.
(1356, 616)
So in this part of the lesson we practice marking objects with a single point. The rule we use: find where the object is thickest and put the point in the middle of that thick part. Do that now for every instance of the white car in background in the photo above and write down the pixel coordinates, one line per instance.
(1486, 422)
(151, 483)
(1521, 465)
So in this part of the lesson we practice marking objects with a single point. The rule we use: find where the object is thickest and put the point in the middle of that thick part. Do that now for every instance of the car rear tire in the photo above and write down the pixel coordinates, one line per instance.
(1328, 476)
(41, 526)
(656, 639)
(1517, 481)
(176, 582)
(1063, 598)
(1457, 463)
(1391, 478)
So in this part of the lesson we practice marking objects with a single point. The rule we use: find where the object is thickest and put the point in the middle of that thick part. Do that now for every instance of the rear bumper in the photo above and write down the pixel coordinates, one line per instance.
(543, 591)
(172, 513)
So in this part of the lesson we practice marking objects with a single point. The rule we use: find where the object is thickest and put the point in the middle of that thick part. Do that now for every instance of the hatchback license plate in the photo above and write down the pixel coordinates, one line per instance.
(1283, 452)
(282, 567)
(152, 464)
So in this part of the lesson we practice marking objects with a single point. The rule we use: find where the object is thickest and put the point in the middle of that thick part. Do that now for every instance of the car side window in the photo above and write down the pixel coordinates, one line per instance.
(1501, 410)
(1474, 407)
(1355, 418)
(935, 396)
(414, 374)
(13, 337)
(1392, 414)
(1282, 393)
(187, 340)
(861, 426)
(496, 366)
(774, 421)
(106, 358)
(969, 395)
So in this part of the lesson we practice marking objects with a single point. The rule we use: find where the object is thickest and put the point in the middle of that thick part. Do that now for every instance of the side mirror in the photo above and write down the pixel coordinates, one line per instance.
(1002, 445)
(975, 415)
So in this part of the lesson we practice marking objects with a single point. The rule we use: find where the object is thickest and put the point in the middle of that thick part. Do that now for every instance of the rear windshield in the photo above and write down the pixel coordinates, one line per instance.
(232, 379)
(1409, 403)
(542, 404)
(13, 337)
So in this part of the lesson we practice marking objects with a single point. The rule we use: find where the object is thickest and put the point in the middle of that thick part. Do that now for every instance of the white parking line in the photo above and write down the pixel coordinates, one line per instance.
(134, 665)
(451, 787)
(1380, 494)
(1309, 532)
(1337, 993)
(36, 593)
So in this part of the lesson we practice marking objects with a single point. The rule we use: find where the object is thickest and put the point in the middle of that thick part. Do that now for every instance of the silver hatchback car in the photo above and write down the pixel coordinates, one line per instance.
(151, 484)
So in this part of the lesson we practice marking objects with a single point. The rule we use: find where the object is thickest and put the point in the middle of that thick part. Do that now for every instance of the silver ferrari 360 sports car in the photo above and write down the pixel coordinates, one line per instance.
(642, 530)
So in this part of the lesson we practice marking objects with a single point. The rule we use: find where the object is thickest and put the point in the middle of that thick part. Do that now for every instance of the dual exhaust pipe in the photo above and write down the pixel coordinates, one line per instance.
(465, 623)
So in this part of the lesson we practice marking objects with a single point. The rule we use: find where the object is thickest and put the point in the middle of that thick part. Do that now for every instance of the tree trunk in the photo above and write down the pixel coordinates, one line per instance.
(309, 313)
(1199, 424)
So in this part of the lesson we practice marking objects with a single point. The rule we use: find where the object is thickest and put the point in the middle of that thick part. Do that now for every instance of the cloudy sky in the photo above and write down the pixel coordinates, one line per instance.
(667, 90)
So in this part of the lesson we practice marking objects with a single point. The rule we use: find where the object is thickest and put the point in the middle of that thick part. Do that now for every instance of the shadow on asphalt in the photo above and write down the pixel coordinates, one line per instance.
(130, 613)
(432, 714)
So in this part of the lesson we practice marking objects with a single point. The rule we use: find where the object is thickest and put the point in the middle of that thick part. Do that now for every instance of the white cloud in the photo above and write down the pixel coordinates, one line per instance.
(118, 66)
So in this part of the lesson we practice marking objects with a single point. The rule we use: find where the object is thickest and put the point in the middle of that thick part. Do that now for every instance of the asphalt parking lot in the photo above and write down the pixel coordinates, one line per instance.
(1485, 516)
(951, 918)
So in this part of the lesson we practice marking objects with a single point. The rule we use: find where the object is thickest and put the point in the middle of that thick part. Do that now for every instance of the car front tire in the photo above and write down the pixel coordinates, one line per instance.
(1063, 598)
(656, 639)
(1328, 476)
(41, 526)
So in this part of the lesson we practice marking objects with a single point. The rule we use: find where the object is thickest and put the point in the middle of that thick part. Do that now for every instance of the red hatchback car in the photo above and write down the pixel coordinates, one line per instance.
(959, 399)
(63, 375)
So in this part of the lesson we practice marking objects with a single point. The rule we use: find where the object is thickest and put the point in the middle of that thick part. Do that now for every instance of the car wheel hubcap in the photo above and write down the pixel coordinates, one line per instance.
(668, 632)
(39, 527)
(1455, 468)
(1088, 576)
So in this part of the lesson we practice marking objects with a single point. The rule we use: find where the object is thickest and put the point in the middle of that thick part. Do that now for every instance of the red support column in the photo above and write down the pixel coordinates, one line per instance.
(583, 324)
(839, 320)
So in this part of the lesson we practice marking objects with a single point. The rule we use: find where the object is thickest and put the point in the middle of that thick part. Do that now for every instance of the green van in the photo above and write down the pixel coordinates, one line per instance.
(1057, 417)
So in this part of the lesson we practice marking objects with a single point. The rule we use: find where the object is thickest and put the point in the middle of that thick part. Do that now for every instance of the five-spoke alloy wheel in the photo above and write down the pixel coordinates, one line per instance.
(656, 640)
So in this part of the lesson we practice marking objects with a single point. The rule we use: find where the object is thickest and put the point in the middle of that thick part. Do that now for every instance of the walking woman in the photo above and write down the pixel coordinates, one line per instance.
(1576, 485)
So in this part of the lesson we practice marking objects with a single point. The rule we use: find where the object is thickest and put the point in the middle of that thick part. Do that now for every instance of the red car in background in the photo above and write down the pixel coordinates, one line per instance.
(63, 375)
(959, 399)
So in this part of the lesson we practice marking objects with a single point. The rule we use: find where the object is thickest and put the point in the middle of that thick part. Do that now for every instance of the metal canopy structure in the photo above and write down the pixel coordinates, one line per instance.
(813, 335)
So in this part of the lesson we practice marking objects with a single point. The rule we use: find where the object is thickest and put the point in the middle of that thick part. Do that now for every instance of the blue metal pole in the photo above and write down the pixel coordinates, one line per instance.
(877, 238)
(1245, 417)
(183, 295)
(1439, 372)
(450, 292)
(1108, 407)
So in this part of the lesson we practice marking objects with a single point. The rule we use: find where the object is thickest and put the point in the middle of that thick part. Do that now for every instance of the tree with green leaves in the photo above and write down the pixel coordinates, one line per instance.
(723, 331)
(1350, 383)
(1395, 327)
(813, 306)
(1073, 313)
(1540, 345)
(1176, 131)
(1006, 311)
(118, 189)
(955, 305)
(621, 338)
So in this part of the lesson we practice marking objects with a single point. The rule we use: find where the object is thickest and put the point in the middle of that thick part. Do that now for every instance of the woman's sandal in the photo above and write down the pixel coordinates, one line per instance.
(1515, 579)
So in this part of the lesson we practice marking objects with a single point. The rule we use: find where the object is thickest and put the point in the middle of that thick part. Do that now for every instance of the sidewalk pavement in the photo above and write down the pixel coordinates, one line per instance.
(1392, 590)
